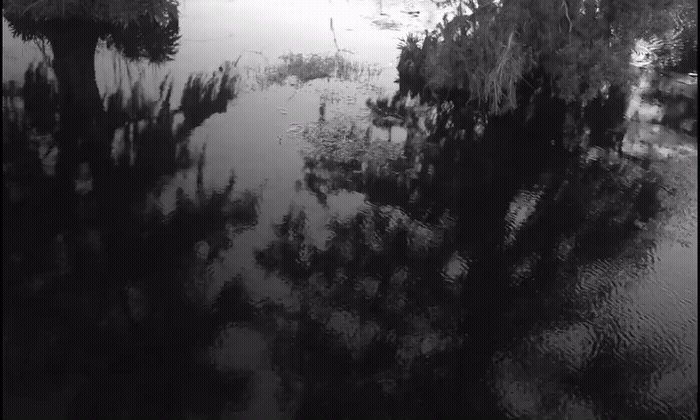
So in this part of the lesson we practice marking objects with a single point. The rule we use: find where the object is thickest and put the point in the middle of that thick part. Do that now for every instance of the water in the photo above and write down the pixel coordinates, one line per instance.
(629, 323)
(330, 303)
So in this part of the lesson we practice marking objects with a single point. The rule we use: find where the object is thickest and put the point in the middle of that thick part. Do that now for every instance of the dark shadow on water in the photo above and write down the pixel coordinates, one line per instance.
(393, 293)
(117, 300)
(418, 290)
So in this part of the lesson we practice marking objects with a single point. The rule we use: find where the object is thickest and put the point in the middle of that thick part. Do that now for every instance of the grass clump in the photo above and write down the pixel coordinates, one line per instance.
(343, 143)
(314, 66)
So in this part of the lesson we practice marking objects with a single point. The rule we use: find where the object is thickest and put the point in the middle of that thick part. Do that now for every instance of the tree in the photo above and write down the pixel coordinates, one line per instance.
(139, 29)
(488, 47)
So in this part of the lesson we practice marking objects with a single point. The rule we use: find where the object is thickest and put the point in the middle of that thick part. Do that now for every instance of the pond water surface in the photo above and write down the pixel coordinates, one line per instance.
(617, 337)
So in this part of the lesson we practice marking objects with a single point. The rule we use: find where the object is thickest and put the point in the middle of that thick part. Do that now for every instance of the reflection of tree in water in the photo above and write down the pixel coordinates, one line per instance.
(385, 295)
(382, 269)
(381, 295)
(203, 97)
(143, 132)
(135, 281)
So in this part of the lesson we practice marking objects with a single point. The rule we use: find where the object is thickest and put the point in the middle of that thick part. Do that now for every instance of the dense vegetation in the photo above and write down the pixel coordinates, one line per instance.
(488, 48)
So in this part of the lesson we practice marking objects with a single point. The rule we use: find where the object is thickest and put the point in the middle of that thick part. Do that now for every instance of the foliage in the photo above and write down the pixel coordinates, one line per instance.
(138, 29)
(411, 66)
(120, 12)
(145, 37)
(486, 48)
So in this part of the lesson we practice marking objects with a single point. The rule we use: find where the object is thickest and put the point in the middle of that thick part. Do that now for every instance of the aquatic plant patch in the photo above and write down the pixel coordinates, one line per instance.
(307, 67)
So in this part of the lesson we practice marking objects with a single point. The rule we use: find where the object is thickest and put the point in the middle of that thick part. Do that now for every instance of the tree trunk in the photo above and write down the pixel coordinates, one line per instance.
(82, 135)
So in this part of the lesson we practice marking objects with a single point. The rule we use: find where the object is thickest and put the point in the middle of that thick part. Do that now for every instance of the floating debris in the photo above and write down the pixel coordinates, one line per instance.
(295, 128)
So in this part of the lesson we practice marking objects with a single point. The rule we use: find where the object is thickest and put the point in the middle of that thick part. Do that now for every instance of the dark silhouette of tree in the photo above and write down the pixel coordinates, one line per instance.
(139, 29)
